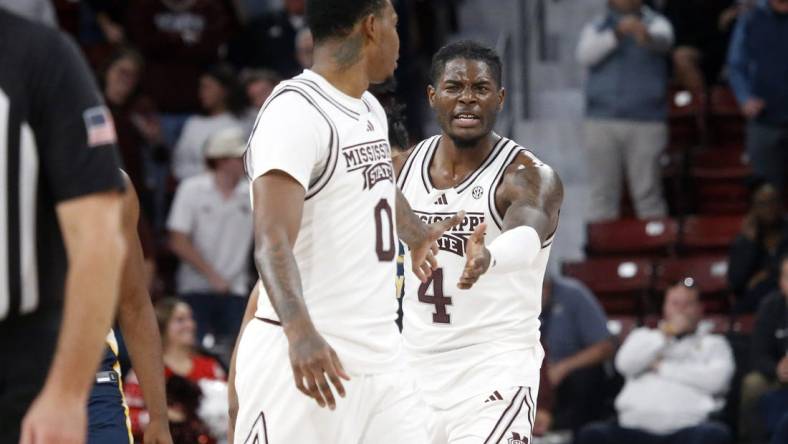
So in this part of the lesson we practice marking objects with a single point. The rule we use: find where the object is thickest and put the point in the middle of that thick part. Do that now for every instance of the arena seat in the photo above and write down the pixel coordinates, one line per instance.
(632, 237)
(621, 285)
(708, 273)
(709, 234)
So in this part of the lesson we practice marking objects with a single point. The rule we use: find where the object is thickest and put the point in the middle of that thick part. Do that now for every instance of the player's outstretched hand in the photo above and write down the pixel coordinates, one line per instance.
(477, 258)
(315, 363)
(423, 254)
(55, 417)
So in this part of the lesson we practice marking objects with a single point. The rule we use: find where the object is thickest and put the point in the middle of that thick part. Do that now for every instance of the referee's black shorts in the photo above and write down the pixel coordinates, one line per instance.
(26, 348)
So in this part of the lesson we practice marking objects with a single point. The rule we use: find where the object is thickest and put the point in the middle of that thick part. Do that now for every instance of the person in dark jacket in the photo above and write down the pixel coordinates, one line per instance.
(758, 65)
(769, 359)
(753, 266)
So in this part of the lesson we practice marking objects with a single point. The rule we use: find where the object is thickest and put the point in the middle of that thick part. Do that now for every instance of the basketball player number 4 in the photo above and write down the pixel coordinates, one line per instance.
(434, 285)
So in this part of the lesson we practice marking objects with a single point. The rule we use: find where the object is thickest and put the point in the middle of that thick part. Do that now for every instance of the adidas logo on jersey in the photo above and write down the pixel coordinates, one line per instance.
(370, 128)
(494, 397)
(442, 200)
(517, 439)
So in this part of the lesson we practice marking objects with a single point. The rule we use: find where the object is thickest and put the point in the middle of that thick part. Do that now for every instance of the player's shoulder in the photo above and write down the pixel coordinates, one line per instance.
(400, 159)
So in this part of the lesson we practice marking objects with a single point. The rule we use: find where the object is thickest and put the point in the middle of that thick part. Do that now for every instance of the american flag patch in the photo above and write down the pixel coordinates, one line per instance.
(99, 125)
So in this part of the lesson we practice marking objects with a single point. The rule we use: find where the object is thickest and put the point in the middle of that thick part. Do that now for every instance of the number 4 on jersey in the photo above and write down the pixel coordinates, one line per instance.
(437, 298)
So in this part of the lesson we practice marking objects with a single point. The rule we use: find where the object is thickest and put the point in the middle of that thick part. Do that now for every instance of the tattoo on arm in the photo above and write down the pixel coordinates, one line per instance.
(278, 270)
(534, 195)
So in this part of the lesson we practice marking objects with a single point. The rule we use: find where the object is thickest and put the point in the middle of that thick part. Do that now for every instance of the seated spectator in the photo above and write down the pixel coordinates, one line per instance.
(258, 85)
(210, 227)
(222, 102)
(626, 106)
(753, 264)
(769, 359)
(702, 30)
(269, 41)
(758, 63)
(181, 359)
(676, 376)
(575, 333)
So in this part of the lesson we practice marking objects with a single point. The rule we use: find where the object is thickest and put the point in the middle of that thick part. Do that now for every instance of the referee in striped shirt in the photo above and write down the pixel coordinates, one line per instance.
(61, 244)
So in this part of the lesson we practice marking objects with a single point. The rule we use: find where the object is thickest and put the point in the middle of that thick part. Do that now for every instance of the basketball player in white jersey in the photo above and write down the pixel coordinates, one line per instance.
(472, 331)
(325, 212)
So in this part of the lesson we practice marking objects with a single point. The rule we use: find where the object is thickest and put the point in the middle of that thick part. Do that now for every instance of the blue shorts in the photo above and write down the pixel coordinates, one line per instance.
(108, 421)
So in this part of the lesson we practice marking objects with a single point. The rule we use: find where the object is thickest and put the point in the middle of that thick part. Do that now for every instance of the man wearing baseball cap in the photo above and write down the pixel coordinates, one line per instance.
(210, 226)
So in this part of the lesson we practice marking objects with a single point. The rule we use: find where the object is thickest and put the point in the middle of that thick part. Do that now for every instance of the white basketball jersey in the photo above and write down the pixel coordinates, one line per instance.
(463, 342)
(346, 246)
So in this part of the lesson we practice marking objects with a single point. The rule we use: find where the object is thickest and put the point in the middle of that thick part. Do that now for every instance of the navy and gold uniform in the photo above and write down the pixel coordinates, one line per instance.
(108, 414)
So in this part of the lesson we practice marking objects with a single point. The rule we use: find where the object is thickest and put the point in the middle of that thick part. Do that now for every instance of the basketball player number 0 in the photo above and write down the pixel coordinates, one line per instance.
(386, 252)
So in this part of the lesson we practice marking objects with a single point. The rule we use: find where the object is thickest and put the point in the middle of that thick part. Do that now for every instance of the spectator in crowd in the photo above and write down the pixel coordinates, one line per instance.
(675, 376)
(758, 65)
(181, 359)
(753, 264)
(305, 44)
(626, 106)
(574, 329)
(137, 129)
(269, 41)
(769, 359)
(210, 227)
(258, 84)
(223, 103)
(702, 30)
(178, 39)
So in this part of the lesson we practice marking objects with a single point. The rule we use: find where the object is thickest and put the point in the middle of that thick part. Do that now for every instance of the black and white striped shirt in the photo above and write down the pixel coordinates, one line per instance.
(57, 143)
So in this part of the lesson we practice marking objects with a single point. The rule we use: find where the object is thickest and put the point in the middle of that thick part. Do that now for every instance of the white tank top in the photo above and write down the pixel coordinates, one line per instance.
(346, 246)
(461, 343)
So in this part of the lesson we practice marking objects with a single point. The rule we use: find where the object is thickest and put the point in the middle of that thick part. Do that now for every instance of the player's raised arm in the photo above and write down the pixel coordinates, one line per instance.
(530, 199)
(138, 323)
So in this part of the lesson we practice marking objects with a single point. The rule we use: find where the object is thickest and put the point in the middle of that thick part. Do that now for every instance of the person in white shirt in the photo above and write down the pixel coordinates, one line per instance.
(676, 377)
(223, 101)
(210, 226)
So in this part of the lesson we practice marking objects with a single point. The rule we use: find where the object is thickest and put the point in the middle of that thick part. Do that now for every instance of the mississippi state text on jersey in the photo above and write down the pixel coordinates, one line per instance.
(462, 343)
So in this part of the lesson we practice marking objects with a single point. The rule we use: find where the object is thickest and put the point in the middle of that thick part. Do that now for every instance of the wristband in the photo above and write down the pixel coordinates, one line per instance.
(514, 250)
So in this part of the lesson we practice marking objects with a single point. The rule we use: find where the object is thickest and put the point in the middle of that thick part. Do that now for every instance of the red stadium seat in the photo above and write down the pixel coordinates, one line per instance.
(726, 120)
(709, 234)
(743, 324)
(632, 237)
(709, 275)
(621, 285)
(684, 119)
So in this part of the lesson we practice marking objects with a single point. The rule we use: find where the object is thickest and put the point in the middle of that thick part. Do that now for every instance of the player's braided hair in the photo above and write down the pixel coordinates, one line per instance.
(465, 49)
(336, 18)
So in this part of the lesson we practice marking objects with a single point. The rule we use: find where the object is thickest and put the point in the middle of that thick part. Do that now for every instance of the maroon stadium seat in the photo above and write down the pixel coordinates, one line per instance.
(726, 121)
(709, 275)
(621, 285)
(709, 234)
(632, 237)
